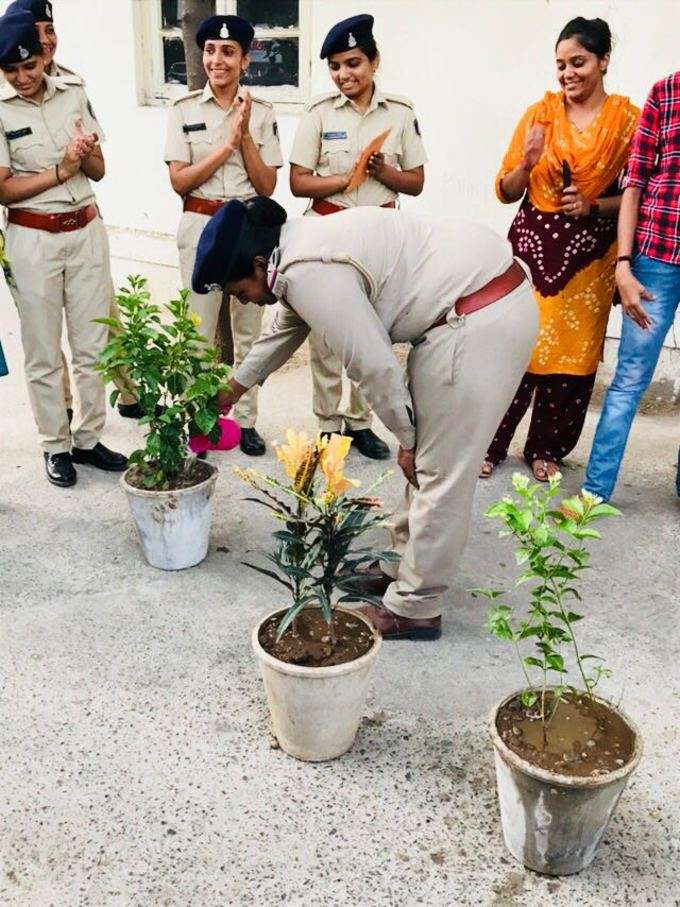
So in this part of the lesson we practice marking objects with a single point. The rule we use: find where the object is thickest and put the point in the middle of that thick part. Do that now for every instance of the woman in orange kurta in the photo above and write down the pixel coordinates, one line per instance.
(565, 160)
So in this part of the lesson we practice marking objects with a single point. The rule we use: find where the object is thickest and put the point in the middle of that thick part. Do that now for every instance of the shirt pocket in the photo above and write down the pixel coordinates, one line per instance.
(28, 152)
(337, 156)
(202, 142)
(393, 150)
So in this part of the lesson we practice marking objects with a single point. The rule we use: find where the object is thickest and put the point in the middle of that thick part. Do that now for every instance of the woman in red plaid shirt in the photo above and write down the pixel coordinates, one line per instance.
(647, 274)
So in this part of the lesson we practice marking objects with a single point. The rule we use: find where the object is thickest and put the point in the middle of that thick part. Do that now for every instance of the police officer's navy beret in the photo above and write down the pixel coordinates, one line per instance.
(347, 34)
(235, 223)
(18, 38)
(40, 9)
(217, 247)
(223, 28)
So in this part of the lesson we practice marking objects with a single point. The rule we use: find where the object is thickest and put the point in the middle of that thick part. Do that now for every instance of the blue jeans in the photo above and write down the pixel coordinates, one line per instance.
(638, 354)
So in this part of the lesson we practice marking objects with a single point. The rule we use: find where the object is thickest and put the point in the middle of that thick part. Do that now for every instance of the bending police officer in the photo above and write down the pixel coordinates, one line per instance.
(363, 280)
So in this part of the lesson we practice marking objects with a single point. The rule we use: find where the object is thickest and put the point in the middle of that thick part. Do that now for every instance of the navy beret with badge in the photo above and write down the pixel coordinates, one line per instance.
(18, 38)
(217, 247)
(347, 35)
(225, 28)
(41, 10)
(236, 222)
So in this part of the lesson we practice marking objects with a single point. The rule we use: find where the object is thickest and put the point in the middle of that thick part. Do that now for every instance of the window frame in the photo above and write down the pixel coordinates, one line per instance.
(152, 90)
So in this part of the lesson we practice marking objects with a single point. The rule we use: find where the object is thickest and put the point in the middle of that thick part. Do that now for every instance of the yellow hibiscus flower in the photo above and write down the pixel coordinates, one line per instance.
(196, 319)
(332, 455)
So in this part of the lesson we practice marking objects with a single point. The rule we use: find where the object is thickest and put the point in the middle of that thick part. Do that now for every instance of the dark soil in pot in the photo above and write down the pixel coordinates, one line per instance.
(584, 737)
(195, 472)
(312, 645)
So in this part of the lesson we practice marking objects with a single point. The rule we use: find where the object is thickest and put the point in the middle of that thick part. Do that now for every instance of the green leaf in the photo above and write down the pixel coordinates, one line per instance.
(528, 699)
(530, 661)
(269, 573)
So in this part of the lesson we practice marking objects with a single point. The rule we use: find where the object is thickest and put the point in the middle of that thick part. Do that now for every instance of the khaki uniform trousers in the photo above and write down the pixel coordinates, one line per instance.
(326, 371)
(57, 275)
(124, 385)
(246, 320)
(462, 376)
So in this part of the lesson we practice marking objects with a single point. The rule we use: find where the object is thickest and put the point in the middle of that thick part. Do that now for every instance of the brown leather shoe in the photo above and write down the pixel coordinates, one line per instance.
(370, 580)
(394, 626)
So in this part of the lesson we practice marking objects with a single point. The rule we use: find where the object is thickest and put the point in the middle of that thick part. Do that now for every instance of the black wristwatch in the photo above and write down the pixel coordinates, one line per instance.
(624, 258)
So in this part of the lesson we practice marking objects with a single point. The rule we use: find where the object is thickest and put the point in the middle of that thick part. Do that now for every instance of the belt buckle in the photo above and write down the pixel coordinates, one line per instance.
(71, 220)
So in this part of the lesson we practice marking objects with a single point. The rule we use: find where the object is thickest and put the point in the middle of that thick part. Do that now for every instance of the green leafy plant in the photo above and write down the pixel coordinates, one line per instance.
(552, 548)
(320, 523)
(176, 376)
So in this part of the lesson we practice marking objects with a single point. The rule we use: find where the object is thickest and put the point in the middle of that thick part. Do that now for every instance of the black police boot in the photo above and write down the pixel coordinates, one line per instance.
(130, 410)
(368, 443)
(251, 443)
(59, 469)
(101, 458)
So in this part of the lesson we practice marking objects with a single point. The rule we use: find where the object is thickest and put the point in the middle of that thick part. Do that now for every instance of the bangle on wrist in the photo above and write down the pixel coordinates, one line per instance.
(627, 258)
(60, 181)
(594, 209)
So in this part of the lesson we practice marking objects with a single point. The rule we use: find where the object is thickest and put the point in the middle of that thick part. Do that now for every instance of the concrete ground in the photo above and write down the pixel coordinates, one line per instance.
(136, 761)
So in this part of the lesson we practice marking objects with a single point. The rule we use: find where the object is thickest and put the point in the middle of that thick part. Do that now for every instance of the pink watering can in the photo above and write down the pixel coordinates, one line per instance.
(230, 435)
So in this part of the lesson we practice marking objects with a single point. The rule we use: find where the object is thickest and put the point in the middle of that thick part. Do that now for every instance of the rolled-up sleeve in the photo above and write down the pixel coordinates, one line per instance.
(274, 348)
(332, 300)
(645, 144)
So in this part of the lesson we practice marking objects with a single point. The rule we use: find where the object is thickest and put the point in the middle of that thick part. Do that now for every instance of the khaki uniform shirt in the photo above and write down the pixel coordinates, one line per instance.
(58, 70)
(332, 133)
(197, 126)
(34, 137)
(412, 271)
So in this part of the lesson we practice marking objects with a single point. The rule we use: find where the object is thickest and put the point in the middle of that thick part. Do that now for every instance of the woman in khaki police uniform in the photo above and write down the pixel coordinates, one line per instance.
(56, 244)
(43, 13)
(330, 136)
(364, 280)
(222, 144)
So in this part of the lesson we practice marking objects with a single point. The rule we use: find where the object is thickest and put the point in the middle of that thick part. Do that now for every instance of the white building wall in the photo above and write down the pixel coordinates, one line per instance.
(471, 68)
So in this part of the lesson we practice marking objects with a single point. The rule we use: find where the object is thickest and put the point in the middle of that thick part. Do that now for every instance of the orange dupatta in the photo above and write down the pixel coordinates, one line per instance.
(596, 155)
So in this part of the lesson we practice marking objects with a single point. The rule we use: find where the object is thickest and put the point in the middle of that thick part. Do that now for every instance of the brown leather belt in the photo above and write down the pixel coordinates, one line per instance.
(53, 223)
(198, 205)
(321, 206)
(491, 292)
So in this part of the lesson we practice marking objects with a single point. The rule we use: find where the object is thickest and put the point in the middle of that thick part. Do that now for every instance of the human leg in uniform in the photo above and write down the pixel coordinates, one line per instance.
(326, 397)
(246, 325)
(462, 377)
(206, 305)
(87, 295)
(68, 393)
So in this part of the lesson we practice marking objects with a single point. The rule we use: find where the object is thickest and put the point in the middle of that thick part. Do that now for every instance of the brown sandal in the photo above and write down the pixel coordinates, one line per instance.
(544, 469)
(487, 470)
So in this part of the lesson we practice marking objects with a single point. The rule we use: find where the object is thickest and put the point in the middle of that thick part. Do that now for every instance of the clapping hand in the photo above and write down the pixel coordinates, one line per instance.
(376, 166)
(534, 144)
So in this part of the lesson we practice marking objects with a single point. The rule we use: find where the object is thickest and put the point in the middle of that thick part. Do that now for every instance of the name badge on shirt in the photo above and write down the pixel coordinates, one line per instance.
(329, 136)
(193, 127)
(18, 133)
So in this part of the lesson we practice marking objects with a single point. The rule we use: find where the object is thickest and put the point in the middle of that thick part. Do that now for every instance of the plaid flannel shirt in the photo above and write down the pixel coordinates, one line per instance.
(654, 167)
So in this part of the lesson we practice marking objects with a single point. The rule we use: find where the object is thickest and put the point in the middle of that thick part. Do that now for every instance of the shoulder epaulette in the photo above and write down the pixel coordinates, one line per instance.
(398, 99)
(261, 101)
(326, 96)
(69, 75)
(7, 92)
(189, 94)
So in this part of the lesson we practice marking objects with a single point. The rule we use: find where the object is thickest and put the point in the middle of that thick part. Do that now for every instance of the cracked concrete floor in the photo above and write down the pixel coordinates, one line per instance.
(136, 765)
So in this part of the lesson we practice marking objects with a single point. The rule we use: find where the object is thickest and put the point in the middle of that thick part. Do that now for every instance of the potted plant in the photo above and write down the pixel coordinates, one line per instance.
(315, 656)
(177, 377)
(563, 754)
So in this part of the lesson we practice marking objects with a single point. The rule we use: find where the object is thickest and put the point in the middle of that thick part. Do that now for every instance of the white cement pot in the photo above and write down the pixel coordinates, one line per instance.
(553, 823)
(173, 526)
(316, 711)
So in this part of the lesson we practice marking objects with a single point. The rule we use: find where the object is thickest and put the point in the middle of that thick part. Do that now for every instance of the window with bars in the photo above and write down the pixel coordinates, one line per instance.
(279, 56)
